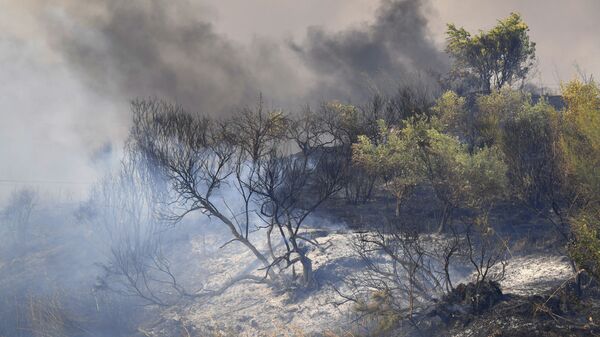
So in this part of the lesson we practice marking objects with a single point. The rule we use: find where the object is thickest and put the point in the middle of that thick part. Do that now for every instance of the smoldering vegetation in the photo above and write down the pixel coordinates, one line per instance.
(48, 273)
(89, 268)
(248, 194)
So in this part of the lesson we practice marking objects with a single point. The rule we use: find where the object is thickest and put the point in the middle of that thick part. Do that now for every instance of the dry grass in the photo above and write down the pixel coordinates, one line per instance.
(60, 314)
(186, 329)
(36, 316)
(47, 316)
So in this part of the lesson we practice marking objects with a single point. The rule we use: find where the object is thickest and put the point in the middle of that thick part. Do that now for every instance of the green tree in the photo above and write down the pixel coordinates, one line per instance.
(580, 142)
(452, 112)
(528, 136)
(529, 140)
(341, 126)
(460, 179)
(491, 110)
(581, 139)
(494, 59)
(419, 153)
(391, 158)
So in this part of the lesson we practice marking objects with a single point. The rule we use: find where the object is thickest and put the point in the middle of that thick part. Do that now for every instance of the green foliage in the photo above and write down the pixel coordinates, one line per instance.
(348, 116)
(444, 159)
(461, 179)
(526, 135)
(485, 172)
(470, 158)
(452, 112)
(421, 154)
(581, 145)
(496, 58)
(581, 139)
(391, 158)
(492, 109)
(585, 247)
(529, 138)
(346, 122)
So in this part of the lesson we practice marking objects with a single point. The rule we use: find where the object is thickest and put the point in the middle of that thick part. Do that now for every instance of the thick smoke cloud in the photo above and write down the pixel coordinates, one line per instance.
(158, 48)
(377, 56)
(162, 48)
(69, 67)
(72, 67)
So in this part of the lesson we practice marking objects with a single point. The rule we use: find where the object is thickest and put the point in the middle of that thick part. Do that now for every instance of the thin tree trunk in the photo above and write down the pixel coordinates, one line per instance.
(446, 214)
(307, 270)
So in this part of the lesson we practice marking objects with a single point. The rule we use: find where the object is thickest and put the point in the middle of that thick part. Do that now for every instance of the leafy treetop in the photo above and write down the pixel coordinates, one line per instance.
(496, 58)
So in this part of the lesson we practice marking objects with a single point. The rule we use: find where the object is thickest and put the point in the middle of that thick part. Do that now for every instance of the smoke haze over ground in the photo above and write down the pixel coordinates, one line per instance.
(78, 66)
(69, 69)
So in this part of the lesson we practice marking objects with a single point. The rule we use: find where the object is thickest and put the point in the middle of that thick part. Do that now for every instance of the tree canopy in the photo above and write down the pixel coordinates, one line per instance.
(492, 59)
(581, 145)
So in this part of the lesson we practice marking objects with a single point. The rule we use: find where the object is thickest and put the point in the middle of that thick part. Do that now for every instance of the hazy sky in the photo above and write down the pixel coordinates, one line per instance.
(566, 32)
(69, 67)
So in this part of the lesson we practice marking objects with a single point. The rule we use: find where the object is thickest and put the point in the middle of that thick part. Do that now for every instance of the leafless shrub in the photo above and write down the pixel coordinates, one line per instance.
(258, 170)
(408, 272)
(124, 207)
(400, 264)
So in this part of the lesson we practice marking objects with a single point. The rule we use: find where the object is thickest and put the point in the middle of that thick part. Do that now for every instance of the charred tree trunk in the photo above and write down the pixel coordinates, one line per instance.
(307, 270)
(446, 215)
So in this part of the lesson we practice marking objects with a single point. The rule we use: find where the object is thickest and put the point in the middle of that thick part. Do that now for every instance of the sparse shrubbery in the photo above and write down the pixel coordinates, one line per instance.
(417, 153)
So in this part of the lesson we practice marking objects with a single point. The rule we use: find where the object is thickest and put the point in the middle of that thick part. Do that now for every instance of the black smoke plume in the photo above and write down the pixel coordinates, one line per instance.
(375, 57)
(165, 49)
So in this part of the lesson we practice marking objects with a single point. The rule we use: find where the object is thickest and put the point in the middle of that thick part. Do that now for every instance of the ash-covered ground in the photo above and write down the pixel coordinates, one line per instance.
(56, 275)
(252, 309)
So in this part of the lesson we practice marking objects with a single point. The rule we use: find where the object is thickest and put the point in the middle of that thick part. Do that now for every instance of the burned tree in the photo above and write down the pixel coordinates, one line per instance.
(124, 210)
(258, 172)
(291, 187)
(409, 276)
